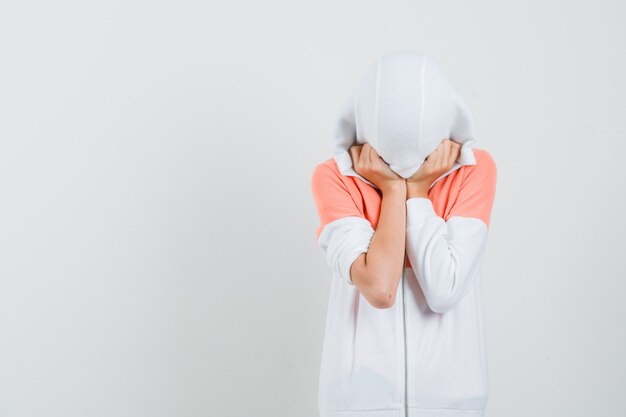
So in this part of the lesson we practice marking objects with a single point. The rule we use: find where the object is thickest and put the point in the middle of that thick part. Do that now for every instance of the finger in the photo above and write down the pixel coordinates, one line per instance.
(450, 153)
(355, 152)
(457, 151)
(374, 157)
(450, 156)
(439, 155)
(377, 161)
(367, 157)
(357, 147)
(433, 157)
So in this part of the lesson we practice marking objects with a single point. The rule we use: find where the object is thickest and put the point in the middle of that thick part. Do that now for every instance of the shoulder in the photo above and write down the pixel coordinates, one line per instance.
(484, 159)
(485, 167)
(477, 188)
(334, 194)
(326, 174)
(331, 188)
(326, 168)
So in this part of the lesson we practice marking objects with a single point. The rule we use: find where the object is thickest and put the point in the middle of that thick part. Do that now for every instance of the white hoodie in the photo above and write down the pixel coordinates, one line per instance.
(424, 356)
(404, 107)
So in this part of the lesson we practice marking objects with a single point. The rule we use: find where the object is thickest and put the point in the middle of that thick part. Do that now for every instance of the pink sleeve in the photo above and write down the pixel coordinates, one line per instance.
(477, 193)
(343, 233)
(332, 198)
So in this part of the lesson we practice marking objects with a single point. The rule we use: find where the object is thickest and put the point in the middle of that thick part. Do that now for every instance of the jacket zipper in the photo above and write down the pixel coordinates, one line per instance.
(406, 394)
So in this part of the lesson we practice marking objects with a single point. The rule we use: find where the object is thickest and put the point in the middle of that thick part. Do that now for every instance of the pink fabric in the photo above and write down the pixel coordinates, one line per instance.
(468, 191)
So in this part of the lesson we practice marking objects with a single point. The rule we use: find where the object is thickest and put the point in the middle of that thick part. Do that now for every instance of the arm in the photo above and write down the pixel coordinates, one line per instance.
(377, 273)
(446, 255)
(370, 260)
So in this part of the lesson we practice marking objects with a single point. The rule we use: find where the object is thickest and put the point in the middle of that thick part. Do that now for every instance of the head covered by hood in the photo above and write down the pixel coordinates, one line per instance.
(403, 107)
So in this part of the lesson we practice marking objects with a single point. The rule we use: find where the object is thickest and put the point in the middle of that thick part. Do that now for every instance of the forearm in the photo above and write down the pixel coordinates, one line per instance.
(445, 255)
(384, 260)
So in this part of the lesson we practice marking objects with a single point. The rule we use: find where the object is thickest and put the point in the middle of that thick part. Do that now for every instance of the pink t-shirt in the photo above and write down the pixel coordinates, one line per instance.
(468, 191)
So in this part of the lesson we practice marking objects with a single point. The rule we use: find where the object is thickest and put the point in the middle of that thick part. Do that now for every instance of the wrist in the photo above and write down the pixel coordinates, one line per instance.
(393, 187)
(417, 189)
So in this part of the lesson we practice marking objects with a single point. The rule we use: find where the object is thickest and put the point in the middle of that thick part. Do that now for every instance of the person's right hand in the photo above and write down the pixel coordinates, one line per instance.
(368, 164)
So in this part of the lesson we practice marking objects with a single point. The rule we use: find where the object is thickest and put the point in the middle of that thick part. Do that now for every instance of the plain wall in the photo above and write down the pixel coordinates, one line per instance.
(157, 247)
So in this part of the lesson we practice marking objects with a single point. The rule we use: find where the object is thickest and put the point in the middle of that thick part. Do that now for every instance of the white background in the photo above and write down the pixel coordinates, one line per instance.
(157, 248)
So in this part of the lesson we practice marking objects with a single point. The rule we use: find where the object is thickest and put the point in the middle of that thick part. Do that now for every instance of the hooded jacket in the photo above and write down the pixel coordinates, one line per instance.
(424, 356)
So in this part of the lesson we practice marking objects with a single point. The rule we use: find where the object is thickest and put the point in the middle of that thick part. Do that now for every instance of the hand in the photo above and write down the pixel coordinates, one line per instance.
(436, 164)
(368, 164)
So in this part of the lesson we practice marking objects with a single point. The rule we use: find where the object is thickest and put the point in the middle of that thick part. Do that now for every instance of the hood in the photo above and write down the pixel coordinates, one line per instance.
(404, 107)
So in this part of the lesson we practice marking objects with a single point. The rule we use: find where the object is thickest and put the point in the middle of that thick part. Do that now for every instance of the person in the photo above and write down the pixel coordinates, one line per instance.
(404, 206)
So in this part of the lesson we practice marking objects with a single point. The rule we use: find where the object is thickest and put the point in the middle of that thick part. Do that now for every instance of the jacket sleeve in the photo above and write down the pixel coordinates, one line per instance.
(446, 255)
(343, 232)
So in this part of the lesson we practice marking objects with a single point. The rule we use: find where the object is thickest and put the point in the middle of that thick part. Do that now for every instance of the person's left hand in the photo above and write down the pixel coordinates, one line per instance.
(437, 163)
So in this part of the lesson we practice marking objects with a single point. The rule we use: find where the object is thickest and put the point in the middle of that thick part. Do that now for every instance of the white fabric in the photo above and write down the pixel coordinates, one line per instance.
(445, 254)
(437, 317)
(403, 107)
(342, 241)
